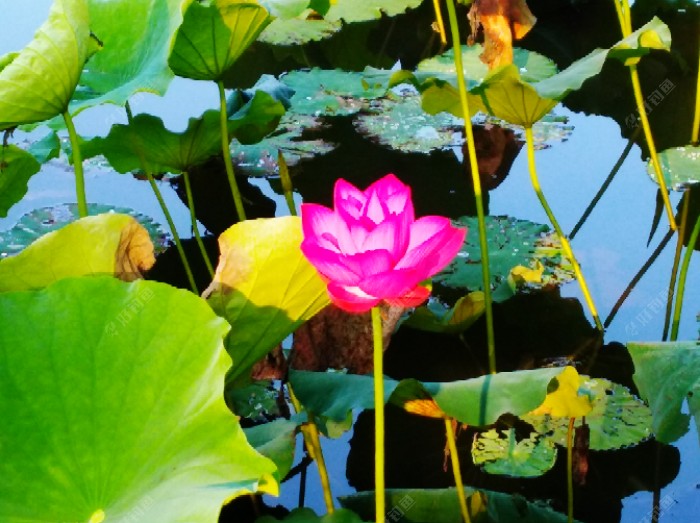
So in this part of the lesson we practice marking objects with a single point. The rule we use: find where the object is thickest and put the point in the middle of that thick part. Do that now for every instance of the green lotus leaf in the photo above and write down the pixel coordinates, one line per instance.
(306, 515)
(255, 119)
(298, 31)
(213, 35)
(113, 244)
(47, 148)
(114, 415)
(39, 82)
(667, 374)
(264, 287)
(680, 166)
(276, 440)
(33, 225)
(136, 38)
(17, 166)
(364, 10)
(330, 92)
(512, 243)
(285, 9)
(442, 506)
(502, 453)
(477, 402)
(437, 317)
(618, 419)
(501, 86)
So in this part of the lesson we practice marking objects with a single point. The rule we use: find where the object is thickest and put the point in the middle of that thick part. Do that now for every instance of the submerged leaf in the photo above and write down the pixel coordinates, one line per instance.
(213, 35)
(16, 168)
(501, 453)
(39, 81)
(264, 287)
(618, 418)
(668, 374)
(113, 244)
(131, 418)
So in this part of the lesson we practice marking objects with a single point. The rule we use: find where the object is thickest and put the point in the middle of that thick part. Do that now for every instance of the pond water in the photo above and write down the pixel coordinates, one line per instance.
(612, 245)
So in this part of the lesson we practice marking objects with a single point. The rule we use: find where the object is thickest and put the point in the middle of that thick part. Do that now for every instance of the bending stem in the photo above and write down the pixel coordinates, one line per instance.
(674, 268)
(681, 279)
(456, 471)
(564, 241)
(195, 228)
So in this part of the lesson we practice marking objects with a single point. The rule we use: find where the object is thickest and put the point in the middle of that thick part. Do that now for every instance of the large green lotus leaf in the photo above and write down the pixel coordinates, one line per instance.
(306, 515)
(507, 94)
(136, 38)
(680, 165)
(512, 243)
(16, 167)
(477, 402)
(213, 35)
(113, 244)
(502, 453)
(442, 506)
(618, 418)
(33, 225)
(330, 92)
(276, 440)
(39, 82)
(364, 10)
(112, 396)
(666, 375)
(264, 287)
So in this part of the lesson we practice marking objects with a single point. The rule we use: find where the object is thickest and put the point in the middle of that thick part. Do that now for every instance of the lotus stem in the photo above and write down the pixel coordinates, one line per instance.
(676, 263)
(173, 230)
(77, 166)
(570, 470)
(456, 471)
(606, 184)
(636, 87)
(440, 22)
(225, 141)
(313, 445)
(476, 181)
(696, 118)
(566, 246)
(633, 283)
(287, 187)
(681, 279)
(195, 228)
(378, 357)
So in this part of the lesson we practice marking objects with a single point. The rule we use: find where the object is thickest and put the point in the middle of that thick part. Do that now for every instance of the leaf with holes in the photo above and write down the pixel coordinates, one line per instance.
(503, 454)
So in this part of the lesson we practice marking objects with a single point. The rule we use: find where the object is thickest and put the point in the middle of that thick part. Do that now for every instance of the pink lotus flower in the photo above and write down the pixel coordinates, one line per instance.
(370, 248)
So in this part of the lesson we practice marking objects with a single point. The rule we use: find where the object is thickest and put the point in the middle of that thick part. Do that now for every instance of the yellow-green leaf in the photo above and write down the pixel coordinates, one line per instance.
(565, 401)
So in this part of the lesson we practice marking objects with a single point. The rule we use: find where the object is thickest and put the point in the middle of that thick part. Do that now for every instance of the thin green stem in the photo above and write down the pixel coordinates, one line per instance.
(313, 445)
(566, 246)
(287, 186)
(677, 309)
(605, 185)
(639, 98)
(225, 142)
(378, 357)
(570, 470)
(195, 228)
(173, 230)
(696, 119)
(439, 21)
(476, 181)
(77, 166)
(676, 263)
(456, 471)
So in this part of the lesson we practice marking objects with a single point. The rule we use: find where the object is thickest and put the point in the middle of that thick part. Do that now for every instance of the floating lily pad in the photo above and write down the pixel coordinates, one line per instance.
(16, 168)
(680, 166)
(442, 506)
(477, 402)
(264, 287)
(38, 82)
(39, 222)
(298, 31)
(668, 374)
(618, 419)
(502, 453)
(114, 392)
(306, 515)
(512, 242)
